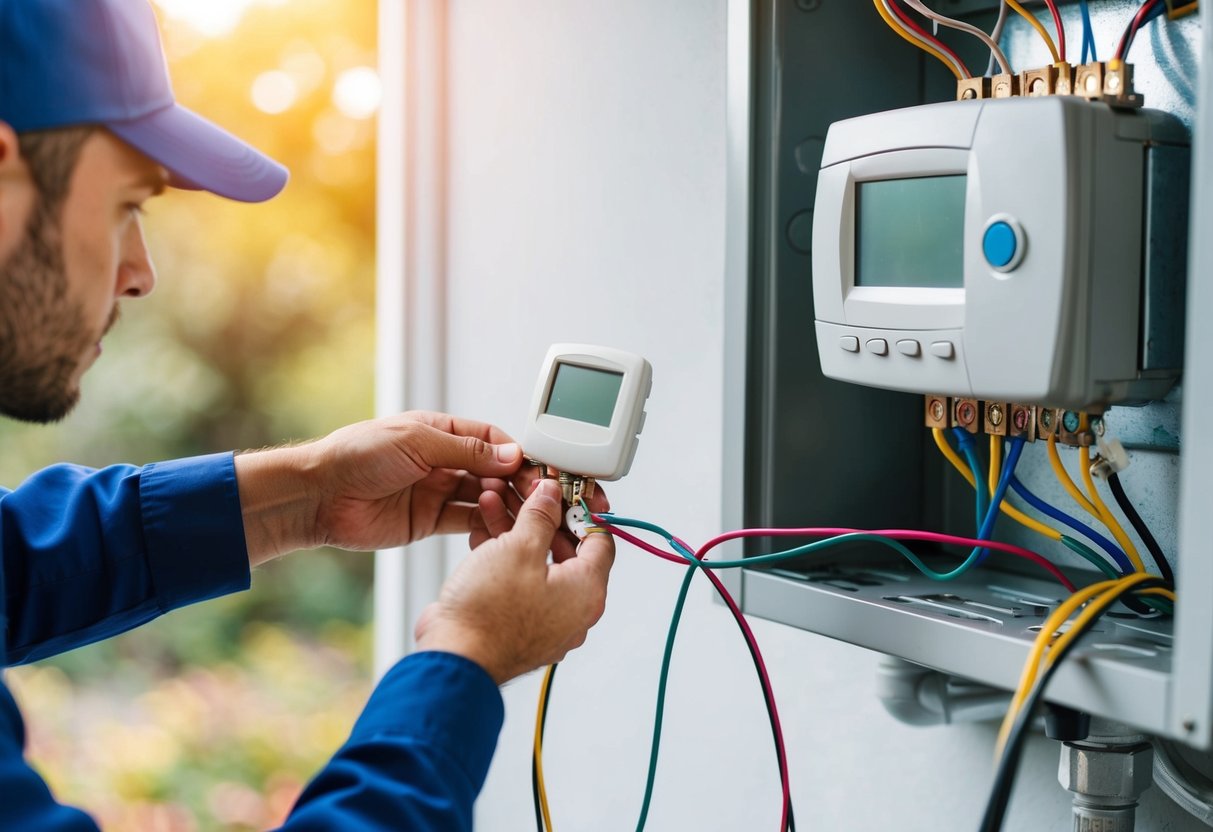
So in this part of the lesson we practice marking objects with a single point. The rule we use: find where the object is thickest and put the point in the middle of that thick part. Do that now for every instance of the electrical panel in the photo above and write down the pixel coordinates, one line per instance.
(1032, 361)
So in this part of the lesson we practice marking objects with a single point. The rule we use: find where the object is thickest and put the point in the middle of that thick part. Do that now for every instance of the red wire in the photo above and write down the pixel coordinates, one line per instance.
(896, 534)
(751, 640)
(1061, 30)
(909, 21)
(1134, 25)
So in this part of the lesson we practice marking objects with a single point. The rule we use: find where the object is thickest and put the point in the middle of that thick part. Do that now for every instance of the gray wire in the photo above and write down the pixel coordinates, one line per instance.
(996, 34)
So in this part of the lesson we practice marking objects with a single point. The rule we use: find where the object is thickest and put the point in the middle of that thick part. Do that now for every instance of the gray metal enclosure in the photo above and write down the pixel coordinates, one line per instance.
(809, 451)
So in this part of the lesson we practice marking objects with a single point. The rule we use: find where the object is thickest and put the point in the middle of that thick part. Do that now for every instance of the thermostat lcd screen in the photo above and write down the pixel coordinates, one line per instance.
(584, 394)
(910, 232)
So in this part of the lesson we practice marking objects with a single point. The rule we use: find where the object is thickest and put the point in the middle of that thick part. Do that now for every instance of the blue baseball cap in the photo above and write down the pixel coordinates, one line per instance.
(65, 63)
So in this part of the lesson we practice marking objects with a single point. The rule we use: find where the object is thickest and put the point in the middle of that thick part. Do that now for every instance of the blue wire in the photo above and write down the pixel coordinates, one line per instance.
(1077, 525)
(1004, 479)
(1088, 33)
(979, 480)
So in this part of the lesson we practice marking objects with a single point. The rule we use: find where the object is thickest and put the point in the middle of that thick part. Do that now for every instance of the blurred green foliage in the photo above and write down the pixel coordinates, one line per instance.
(260, 331)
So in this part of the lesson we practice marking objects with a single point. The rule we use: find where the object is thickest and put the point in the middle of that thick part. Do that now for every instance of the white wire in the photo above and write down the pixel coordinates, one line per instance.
(967, 28)
(1003, 8)
(960, 73)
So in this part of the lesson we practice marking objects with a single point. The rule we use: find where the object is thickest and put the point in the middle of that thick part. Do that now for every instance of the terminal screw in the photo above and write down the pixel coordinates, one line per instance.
(994, 414)
(1019, 418)
(1069, 421)
(966, 413)
(937, 410)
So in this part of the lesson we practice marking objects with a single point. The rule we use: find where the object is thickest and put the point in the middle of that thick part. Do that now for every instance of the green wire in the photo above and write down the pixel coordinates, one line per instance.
(663, 679)
(808, 548)
(694, 563)
(1157, 604)
(1087, 554)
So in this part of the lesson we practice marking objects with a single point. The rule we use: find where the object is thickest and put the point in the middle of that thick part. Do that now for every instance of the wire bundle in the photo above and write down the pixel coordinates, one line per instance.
(908, 29)
(1098, 598)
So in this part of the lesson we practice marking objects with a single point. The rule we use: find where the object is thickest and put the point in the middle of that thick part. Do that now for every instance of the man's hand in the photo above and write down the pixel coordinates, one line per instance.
(376, 484)
(506, 607)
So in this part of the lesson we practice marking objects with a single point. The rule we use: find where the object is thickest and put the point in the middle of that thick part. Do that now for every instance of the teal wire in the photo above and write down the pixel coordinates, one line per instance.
(665, 674)
(979, 479)
(808, 548)
(1086, 553)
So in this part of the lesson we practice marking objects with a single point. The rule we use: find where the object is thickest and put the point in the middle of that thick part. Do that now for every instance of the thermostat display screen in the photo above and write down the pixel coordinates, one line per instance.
(910, 232)
(584, 394)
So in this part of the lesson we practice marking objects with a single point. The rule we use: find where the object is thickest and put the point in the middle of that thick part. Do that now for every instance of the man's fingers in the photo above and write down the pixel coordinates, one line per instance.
(455, 518)
(539, 517)
(597, 552)
(438, 449)
(496, 519)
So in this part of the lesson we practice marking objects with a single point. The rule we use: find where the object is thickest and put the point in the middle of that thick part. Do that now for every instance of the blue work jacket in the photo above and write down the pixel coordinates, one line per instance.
(88, 554)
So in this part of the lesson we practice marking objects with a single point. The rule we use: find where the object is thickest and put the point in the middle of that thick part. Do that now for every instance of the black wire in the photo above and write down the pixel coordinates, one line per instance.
(1008, 766)
(543, 721)
(1135, 24)
(1143, 531)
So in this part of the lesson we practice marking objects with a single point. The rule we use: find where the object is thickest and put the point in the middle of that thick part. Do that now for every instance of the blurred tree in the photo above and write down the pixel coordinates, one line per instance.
(261, 330)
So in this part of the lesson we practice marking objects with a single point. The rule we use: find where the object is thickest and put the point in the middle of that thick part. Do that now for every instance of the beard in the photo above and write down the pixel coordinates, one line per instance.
(44, 337)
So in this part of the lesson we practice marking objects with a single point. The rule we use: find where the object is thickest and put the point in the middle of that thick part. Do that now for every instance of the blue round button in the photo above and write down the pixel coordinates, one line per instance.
(999, 244)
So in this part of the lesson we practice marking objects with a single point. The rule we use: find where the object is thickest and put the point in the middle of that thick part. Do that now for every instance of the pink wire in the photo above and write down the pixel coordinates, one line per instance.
(896, 534)
(751, 639)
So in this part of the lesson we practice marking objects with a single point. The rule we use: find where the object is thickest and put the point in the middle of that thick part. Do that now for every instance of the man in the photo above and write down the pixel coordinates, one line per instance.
(89, 131)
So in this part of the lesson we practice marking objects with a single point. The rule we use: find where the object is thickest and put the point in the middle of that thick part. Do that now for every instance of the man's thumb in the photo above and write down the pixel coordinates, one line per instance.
(440, 449)
(539, 516)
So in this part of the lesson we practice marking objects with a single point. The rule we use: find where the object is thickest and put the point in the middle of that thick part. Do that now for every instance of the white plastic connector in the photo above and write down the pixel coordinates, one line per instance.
(578, 522)
(1113, 458)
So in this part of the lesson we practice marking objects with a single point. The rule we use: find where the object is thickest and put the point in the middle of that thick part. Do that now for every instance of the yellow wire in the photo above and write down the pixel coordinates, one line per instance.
(896, 26)
(1040, 29)
(1011, 511)
(1109, 520)
(995, 462)
(1059, 471)
(543, 792)
(1106, 590)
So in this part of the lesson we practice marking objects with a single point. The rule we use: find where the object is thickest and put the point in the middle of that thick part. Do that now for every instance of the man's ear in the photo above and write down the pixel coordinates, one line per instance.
(17, 190)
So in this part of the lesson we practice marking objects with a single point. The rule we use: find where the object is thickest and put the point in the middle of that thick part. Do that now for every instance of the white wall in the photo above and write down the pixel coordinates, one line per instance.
(587, 203)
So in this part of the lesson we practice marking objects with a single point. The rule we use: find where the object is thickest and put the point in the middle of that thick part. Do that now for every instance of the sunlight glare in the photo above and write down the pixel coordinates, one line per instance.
(274, 92)
(211, 18)
(358, 92)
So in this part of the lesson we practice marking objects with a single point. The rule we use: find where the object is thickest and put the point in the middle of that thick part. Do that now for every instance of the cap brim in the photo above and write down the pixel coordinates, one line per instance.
(203, 156)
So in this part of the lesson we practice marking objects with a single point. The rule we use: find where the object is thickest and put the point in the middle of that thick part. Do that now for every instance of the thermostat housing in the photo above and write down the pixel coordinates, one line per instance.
(998, 249)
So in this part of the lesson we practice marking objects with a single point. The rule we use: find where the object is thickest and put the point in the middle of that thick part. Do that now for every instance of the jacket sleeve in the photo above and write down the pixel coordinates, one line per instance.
(417, 757)
(88, 554)
(25, 800)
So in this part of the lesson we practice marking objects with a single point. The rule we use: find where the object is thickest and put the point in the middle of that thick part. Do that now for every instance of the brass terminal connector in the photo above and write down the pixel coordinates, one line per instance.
(1118, 85)
(1046, 422)
(1070, 432)
(1004, 85)
(1038, 82)
(1089, 80)
(971, 89)
(1022, 424)
(997, 418)
(936, 412)
(575, 488)
(965, 414)
(1063, 82)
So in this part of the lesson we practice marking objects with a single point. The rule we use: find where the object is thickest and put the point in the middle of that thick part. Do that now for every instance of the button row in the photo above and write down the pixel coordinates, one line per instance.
(905, 346)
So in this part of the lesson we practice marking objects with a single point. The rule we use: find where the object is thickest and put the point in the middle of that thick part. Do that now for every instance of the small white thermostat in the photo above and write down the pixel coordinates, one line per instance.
(588, 410)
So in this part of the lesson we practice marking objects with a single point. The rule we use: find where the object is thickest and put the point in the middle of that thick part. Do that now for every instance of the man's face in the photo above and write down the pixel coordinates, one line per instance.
(63, 271)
